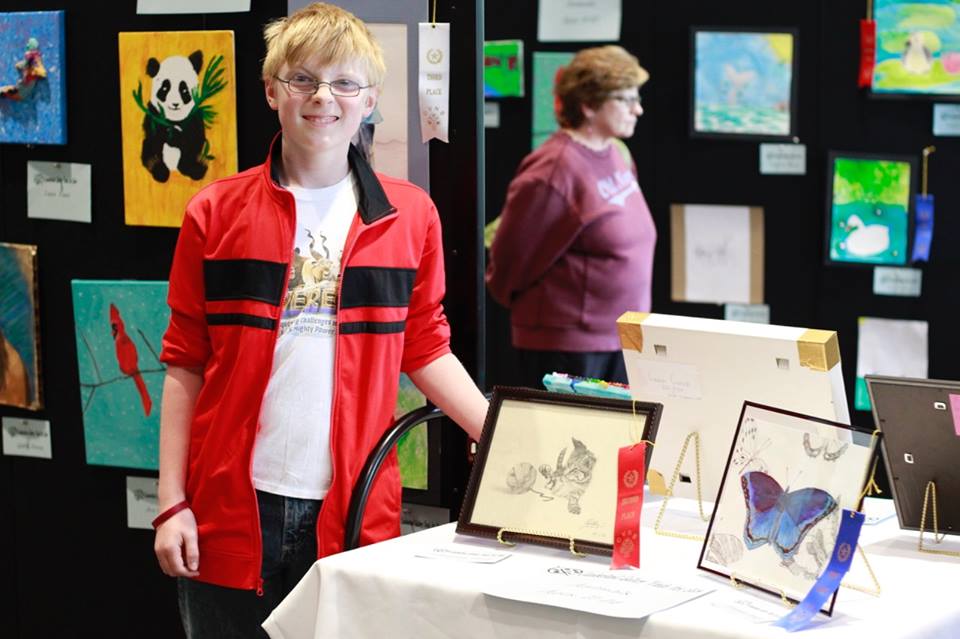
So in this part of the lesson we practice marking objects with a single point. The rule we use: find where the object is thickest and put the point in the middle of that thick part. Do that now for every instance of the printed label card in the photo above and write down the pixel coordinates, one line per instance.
(27, 437)
(142, 502)
(58, 191)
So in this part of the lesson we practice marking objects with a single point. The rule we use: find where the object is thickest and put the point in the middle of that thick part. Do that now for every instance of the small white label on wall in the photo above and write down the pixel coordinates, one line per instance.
(27, 437)
(142, 502)
(756, 313)
(783, 159)
(946, 119)
(578, 20)
(491, 115)
(58, 191)
(902, 282)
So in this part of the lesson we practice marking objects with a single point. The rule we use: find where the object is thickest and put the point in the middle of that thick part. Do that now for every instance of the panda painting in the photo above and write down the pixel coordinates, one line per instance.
(176, 116)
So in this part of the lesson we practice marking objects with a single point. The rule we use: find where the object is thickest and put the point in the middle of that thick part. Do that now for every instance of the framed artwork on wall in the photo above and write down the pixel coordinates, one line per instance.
(917, 49)
(788, 478)
(33, 98)
(743, 83)
(869, 202)
(178, 114)
(546, 469)
(119, 326)
(503, 69)
(20, 382)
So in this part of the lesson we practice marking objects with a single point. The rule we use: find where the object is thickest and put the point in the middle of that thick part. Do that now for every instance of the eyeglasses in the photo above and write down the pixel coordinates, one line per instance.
(305, 85)
(629, 101)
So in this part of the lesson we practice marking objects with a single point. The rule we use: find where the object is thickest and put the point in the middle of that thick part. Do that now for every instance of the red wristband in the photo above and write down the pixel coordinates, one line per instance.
(169, 512)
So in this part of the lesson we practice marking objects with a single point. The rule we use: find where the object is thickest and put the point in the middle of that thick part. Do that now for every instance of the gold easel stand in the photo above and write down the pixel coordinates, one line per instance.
(931, 490)
(668, 493)
(522, 531)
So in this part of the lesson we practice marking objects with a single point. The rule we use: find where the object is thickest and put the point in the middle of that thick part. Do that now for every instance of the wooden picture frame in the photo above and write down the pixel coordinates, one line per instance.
(522, 490)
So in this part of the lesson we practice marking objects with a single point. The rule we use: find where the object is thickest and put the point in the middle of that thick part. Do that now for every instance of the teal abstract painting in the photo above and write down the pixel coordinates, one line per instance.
(19, 341)
(546, 65)
(743, 83)
(869, 209)
(119, 326)
(918, 47)
(33, 102)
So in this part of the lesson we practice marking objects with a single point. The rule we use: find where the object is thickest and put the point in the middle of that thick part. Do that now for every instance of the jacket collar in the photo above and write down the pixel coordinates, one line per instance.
(371, 198)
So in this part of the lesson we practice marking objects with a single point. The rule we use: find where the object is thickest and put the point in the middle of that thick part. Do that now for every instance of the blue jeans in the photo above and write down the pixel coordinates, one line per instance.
(288, 527)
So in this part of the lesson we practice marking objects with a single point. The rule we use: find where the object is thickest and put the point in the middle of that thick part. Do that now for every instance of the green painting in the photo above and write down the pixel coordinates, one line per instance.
(918, 47)
(869, 210)
(119, 326)
(545, 67)
(743, 83)
(413, 448)
(503, 69)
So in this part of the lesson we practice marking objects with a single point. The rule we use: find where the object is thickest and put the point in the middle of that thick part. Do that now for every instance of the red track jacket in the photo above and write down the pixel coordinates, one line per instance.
(227, 284)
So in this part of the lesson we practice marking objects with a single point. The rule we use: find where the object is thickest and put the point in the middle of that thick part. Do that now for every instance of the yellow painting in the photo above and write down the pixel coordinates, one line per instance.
(179, 120)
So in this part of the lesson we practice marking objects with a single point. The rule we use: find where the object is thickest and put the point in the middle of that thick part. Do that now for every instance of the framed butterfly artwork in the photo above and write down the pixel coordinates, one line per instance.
(787, 480)
(546, 468)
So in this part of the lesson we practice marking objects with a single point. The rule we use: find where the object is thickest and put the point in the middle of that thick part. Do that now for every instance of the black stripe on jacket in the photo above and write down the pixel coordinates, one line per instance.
(376, 286)
(256, 280)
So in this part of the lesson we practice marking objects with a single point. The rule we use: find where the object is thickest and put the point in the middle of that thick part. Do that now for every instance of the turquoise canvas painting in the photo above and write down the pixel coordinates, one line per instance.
(33, 101)
(119, 326)
(744, 83)
(918, 47)
(19, 339)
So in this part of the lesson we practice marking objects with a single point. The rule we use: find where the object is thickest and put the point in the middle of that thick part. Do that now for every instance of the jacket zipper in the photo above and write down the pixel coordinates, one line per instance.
(345, 257)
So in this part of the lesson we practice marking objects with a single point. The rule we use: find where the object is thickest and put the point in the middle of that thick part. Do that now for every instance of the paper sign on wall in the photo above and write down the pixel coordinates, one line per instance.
(579, 21)
(716, 253)
(902, 282)
(756, 313)
(142, 502)
(147, 7)
(783, 159)
(889, 347)
(946, 119)
(58, 191)
(27, 437)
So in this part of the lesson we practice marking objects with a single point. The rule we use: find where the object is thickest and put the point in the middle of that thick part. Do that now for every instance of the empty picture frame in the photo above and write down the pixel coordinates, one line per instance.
(869, 201)
(716, 253)
(546, 469)
(787, 480)
(20, 383)
(920, 422)
(743, 83)
(33, 81)
(917, 49)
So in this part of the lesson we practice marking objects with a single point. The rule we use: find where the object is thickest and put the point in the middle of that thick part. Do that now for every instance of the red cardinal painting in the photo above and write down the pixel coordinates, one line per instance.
(127, 356)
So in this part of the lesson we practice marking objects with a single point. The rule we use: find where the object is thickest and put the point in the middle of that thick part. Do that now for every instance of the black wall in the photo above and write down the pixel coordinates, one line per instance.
(70, 566)
(674, 168)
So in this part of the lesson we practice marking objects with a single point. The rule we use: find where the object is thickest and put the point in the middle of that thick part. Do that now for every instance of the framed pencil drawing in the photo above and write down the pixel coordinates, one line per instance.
(546, 470)
(788, 478)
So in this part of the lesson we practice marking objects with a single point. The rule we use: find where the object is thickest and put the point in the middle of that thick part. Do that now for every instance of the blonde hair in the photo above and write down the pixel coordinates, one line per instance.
(330, 34)
(591, 77)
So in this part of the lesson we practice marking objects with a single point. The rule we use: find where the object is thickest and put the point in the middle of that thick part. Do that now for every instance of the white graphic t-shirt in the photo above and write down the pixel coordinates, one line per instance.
(292, 452)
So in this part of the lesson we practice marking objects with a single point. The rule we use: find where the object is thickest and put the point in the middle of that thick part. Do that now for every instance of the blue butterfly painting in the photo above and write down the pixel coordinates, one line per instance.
(781, 518)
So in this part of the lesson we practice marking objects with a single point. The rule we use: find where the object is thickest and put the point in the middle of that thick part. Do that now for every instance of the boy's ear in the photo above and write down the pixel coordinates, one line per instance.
(270, 91)
(370, 101)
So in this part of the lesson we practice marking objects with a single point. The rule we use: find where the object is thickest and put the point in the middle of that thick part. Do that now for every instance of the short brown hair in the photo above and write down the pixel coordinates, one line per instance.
(591, 77)
(327, 31)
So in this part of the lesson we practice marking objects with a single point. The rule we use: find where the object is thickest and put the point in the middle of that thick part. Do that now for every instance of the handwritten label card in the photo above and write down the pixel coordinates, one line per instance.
(783, 159)
(902, 282)
(58, 191)
(491, 115)
(579, 21)
(756, 313)
(142, 502)
(946, 119)
(461, 553)
(27, 437)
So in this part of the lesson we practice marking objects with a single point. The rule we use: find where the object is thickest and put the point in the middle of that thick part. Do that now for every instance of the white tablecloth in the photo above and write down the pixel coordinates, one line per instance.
(385, 590)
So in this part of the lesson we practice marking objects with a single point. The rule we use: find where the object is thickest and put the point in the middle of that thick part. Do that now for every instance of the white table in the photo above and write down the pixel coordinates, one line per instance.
(385, 590)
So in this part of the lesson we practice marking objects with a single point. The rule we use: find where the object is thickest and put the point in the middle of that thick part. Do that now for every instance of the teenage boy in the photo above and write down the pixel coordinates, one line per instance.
(300, 289)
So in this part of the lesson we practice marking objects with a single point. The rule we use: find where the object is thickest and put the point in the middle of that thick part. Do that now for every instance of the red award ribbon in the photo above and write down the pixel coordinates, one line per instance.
(868, 51)
(626, 529)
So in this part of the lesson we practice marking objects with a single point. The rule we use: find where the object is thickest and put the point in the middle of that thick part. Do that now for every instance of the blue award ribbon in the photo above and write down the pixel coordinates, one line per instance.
(923, 234)
(850, 524)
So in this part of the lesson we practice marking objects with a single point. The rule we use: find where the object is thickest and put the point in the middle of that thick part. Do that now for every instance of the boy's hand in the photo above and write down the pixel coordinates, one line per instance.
(176, 545)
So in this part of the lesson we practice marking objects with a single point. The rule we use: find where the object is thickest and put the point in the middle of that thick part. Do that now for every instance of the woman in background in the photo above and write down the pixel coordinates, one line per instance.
(574, 249)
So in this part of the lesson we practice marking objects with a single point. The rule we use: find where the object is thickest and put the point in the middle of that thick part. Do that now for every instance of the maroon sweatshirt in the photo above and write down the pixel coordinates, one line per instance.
(574, 249)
